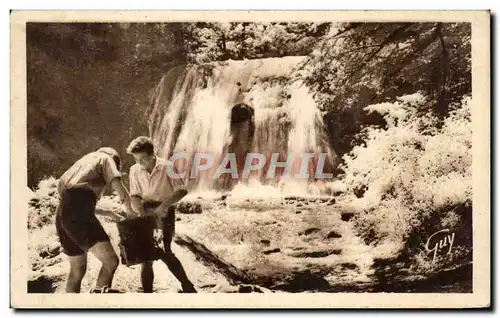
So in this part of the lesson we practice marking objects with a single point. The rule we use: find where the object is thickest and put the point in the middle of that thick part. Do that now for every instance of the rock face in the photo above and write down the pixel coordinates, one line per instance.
(271, 251)
(242, 288)
(310, 231)
(333, 235)
(265, 242)
(250, 289)
(189, 207)
(316, 253)
(241, 113)
(42, 284)
(347, 216)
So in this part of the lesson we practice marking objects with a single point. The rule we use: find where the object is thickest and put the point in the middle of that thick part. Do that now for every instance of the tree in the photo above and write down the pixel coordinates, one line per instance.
(358, 64)
(208, 42)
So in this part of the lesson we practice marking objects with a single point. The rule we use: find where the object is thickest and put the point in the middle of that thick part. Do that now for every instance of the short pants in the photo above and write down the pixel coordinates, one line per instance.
(77, 226)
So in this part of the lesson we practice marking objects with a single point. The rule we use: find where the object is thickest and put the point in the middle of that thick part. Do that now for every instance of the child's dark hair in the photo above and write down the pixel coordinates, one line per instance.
(113, 153)
(141, 144)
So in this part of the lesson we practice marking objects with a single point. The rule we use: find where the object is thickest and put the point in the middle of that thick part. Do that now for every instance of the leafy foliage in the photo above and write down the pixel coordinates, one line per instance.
(358, 64)
(43, 205)
(410, 172)
(209, 42)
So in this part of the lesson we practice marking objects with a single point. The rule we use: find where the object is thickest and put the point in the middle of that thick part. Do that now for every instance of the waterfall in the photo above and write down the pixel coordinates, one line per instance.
(238, 107)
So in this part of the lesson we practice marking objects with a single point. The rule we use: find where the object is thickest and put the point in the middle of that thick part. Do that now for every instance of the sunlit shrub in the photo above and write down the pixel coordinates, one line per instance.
(405, 174)
(43, 205)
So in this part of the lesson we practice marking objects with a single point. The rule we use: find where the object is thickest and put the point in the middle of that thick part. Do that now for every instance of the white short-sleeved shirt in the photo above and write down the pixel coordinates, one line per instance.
(154, 186)
(93, 171)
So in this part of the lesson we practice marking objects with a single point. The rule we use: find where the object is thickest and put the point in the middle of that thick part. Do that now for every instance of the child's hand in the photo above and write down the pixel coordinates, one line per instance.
(117, 217)
(128, 212)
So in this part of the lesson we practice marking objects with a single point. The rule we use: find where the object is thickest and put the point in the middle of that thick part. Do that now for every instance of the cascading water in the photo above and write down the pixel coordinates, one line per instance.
(238, 107)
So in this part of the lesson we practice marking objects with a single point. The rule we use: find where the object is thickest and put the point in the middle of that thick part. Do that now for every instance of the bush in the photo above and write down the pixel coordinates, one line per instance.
(43, 205)
(407, 174)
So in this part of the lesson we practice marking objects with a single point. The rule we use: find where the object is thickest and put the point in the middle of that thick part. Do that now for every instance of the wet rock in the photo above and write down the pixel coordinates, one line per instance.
(310, 231)
(360, 191)
(268, 223)
(294, 198)
(271, 251)
(211, 260)
(189, 208)
(346, 216)
(206, 286)
(333, 235)
(34, 200)
(316, 254)
(241, 113)
(42, 284)
(249, 289)
(242, 288)
(350, 266)
(265, 242)
(54, 251)
(400, 265)
(305, 281)
(181, 208)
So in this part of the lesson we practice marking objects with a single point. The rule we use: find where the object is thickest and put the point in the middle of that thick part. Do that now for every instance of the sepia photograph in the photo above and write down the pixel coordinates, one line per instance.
(270, 155)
